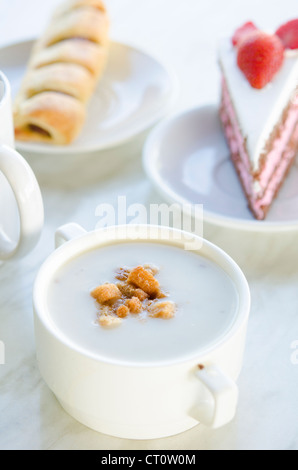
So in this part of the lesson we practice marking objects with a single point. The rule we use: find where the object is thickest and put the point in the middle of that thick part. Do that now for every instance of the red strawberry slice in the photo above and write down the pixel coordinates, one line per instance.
(260, 56)
(241, 32)
(288, 34)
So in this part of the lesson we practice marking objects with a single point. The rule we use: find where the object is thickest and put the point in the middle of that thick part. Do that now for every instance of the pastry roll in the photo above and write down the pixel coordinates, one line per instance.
(74, 51)
(73, 4)
(65, 66)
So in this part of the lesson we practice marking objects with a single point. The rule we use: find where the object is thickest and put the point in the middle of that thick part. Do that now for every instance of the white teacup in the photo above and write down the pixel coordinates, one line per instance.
(21, 206)
(129, 399)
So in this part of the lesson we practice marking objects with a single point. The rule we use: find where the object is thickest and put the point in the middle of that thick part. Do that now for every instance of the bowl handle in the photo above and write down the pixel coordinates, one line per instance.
(222, 408)
(68, 232)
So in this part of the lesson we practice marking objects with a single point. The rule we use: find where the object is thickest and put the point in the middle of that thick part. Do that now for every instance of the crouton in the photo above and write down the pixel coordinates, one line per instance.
(144, 280)
(165, 310)
(109, 321)
(122, 311)
(134, 305)
(106, 293)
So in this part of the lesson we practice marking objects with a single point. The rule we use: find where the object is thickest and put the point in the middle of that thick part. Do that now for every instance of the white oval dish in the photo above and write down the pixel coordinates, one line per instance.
(187, 159)
(134, 93)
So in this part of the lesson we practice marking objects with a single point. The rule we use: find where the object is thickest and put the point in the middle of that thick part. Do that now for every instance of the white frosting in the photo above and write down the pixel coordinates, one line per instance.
(258, 111)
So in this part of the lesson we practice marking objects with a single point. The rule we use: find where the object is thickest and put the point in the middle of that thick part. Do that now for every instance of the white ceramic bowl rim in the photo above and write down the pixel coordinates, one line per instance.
(156, 137)
(5, 96)
(102, 237)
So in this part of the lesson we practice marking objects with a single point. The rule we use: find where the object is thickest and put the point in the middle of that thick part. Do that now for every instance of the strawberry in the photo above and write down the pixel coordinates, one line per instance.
(259, 57)
(288, 33)
(242, 31)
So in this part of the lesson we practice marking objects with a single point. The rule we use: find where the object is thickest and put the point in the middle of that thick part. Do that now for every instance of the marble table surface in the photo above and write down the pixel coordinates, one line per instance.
(183, 34)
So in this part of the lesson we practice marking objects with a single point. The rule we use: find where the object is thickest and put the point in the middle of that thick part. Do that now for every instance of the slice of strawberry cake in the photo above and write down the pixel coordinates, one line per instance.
(259, 108)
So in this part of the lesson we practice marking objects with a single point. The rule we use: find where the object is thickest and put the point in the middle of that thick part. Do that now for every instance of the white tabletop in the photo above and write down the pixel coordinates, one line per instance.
(184, 34)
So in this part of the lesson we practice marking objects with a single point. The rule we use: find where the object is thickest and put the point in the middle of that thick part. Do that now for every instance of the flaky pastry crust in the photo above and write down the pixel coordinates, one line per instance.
(65, 66)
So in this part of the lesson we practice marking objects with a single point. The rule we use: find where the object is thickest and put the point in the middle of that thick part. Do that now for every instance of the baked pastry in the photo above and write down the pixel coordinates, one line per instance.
(65, 66)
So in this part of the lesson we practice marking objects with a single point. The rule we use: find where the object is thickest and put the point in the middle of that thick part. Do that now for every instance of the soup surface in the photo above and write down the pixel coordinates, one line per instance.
(206, 303)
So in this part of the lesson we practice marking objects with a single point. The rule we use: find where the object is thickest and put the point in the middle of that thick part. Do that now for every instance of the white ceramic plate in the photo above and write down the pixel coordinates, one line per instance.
(187, 159)
(135, 92)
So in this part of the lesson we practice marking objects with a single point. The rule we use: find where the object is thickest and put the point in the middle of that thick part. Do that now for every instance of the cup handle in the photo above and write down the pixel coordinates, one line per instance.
(68, 232)
(222, 408)
(29, 201)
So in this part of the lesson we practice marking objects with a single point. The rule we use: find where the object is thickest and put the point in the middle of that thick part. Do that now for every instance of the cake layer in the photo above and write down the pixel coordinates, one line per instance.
(279, 138)
(258, 111)
(261, 189)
